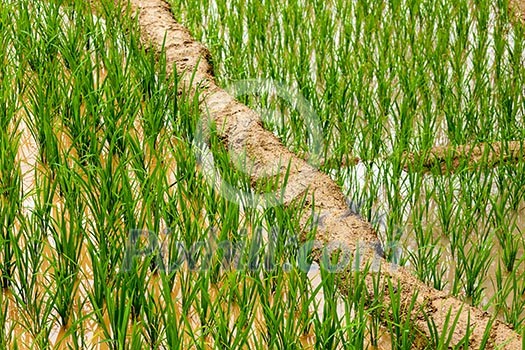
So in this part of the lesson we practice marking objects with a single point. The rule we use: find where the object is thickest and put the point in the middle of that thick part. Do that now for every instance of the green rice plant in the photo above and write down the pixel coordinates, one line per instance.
(10, 201)
(428, 255)
(28, 48)
(67, 235)
(442, 339)
(303, 293)
(377, 308)
(152, 324)
(327, 321)
(510, 239)
(280, 328)
(171, 318)
(281, 292)
(134, 282)
(510, 192)
(104, 236)
(119, 312)
(207, 306)
(32, 290)
(74, 336)
(80, 118)
(233, 313)
(4, 314)
(159, 95)
(398, 319)
(471, 268)
(137, 341)
(41, 117)
(10, 172)
(356, 315)
(396, 216)
(508, 299)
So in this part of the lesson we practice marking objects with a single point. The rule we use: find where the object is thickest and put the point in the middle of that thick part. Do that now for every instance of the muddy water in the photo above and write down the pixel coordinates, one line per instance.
(94, 335)
(358, 181)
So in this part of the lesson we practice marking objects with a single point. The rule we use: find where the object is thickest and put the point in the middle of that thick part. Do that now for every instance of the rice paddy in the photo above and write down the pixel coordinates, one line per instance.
(390, 79)
(114, 237)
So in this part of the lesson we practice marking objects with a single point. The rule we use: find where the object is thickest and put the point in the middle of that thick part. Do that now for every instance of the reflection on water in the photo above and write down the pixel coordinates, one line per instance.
(446, 225)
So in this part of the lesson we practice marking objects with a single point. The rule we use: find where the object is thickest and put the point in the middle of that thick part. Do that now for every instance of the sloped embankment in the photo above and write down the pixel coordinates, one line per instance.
(242, 131)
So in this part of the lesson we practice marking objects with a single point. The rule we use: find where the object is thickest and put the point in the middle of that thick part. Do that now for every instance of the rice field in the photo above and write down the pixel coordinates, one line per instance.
(389, 79)
(113, 237)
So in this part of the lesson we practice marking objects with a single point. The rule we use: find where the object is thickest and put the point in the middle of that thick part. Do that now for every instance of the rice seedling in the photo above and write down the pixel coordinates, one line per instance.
(11, 199)
(32, 289)
(442, 339)
(398, 324)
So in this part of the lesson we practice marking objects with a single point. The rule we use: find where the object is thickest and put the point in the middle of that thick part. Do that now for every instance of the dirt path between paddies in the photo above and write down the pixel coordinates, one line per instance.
(451, 158)
(241, 130)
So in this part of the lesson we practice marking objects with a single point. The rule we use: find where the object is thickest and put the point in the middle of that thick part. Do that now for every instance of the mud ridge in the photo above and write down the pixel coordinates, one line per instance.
(242, 131)
(451, 158)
